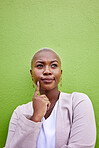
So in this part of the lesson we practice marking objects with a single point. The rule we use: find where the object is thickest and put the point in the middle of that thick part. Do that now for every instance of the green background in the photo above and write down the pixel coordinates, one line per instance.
(70, 27)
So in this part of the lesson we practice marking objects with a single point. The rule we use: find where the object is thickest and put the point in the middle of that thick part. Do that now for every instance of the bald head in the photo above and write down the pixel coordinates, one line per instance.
(46, 51)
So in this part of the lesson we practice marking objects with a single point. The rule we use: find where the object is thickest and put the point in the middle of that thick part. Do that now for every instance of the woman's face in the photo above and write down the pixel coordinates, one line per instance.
(46, 69)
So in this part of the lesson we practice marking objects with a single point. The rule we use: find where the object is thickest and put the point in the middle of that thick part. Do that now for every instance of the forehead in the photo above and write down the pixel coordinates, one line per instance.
(46, 55)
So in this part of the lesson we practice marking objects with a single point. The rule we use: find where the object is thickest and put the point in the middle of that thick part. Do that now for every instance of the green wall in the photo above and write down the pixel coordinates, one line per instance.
(71, 27)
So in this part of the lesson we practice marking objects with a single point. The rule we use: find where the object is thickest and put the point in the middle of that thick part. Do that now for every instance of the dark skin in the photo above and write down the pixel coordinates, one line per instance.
(46, 73)
(53, 97)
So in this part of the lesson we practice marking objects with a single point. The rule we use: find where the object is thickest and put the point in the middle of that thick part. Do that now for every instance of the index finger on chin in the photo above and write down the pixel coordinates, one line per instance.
(37, 88)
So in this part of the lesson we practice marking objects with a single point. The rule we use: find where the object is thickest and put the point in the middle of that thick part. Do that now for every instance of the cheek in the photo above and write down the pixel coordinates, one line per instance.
(36, 75)
(58, 75)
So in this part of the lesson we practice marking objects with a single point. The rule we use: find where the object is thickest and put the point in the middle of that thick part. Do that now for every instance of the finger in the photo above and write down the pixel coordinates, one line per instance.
(37, 88)
(44, 97)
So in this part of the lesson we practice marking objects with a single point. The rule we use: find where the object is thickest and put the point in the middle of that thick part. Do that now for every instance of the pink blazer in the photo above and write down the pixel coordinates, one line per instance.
(75, 124)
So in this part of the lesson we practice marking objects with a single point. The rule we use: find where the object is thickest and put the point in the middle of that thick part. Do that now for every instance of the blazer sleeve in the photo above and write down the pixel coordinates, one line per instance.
(83, 128)
(22, 132)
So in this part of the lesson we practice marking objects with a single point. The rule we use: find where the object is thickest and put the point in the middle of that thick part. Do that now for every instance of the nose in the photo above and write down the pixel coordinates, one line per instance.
(47, 71)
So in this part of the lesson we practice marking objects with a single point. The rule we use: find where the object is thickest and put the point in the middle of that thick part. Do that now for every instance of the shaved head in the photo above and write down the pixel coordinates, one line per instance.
(44, 50)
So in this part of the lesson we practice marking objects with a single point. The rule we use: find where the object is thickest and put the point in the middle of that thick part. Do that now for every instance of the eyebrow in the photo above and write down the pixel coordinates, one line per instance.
(43, 61)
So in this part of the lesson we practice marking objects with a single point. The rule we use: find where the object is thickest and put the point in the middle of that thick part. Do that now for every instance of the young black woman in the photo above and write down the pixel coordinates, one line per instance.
(53, 119)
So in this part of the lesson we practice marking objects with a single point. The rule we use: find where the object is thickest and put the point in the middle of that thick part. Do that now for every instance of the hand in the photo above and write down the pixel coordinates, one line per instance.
(40, 105)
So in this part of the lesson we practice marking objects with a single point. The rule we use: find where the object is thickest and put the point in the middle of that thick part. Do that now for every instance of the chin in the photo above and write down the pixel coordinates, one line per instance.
(48, 87)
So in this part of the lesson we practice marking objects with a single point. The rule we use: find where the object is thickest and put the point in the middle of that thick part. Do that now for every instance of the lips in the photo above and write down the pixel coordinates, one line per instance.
(47, 80)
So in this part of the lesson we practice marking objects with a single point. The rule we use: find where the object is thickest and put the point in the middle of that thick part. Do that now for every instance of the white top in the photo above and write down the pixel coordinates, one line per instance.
(46, 137)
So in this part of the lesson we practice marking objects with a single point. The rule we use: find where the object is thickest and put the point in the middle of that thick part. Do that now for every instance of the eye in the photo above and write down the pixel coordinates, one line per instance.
(40, 66)
(54, 65)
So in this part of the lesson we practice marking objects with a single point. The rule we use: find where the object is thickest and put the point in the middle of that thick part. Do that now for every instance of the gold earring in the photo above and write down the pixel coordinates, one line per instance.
(61, 82)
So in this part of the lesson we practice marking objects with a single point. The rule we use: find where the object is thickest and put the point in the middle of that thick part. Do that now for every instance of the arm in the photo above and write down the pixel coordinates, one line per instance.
(83, 130)
(22, 131)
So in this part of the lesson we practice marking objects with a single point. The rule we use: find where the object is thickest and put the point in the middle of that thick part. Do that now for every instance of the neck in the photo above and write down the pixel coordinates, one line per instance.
(52, 94)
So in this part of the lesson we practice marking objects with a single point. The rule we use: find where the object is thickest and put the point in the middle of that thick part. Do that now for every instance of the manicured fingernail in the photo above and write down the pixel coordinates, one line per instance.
(37, 82)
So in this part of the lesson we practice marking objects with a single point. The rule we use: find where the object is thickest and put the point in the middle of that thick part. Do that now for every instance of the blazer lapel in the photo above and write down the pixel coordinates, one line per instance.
(63, 120)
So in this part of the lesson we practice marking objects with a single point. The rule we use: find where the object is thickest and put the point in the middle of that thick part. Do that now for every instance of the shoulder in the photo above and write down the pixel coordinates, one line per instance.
(80, 99)
(74, 95)
(25, 109)
(74, 99)
(78, 95)
(77, 104)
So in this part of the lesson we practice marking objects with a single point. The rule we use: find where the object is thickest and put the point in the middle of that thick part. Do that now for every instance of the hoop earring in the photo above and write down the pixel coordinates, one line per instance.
(61, 82)
(33, 83)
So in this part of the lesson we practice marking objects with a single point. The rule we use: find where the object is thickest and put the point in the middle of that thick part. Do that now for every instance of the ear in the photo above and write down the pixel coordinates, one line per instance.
(31, 73)
(61, 74)
(61, 71)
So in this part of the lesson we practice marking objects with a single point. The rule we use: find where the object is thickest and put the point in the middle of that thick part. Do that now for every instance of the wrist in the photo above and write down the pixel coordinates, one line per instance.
(35, 118)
